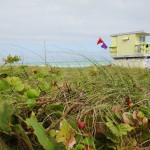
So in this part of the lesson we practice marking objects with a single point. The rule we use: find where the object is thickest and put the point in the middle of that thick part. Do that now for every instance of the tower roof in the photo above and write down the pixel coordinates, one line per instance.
(134, 32)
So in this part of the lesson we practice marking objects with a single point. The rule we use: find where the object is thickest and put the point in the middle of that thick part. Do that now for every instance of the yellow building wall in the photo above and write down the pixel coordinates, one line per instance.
(137, 41)
(127, 44)
(113, 48)
(126, 47)
(114, 41)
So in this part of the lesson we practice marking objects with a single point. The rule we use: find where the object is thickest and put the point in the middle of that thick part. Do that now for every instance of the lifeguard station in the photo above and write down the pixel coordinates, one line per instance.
(130, 49)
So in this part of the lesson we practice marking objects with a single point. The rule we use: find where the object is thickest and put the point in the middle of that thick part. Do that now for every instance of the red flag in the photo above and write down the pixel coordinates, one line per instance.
(99, 41)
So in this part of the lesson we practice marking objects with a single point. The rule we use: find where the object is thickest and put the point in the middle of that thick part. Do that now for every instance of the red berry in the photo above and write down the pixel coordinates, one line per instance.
(81, 125)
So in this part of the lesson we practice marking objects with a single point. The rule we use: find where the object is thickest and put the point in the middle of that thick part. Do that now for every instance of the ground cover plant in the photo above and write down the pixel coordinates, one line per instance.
(74, 108)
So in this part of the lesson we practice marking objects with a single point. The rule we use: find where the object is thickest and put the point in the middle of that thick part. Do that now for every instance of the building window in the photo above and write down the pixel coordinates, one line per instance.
(125, 38)
(142, 38)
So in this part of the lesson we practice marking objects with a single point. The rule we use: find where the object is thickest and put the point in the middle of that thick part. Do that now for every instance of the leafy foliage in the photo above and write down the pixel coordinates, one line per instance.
(40, 133)
(119, 130)
(4, 85)
(5, 117)
(79, 109)
(15, 83)
(33, 93)
(66, 135)
(11, 59)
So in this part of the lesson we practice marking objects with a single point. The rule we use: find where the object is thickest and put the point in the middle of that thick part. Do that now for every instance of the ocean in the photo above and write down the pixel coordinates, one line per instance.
(72, 64)
(35, 55)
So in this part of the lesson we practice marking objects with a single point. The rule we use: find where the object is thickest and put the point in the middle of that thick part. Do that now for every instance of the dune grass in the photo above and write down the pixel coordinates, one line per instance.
(98, 97)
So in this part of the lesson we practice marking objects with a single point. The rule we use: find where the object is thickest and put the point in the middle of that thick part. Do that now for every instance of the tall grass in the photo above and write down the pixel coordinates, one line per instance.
(89, 94)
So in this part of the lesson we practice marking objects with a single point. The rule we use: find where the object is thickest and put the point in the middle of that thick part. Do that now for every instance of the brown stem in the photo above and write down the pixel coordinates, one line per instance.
(59, 120)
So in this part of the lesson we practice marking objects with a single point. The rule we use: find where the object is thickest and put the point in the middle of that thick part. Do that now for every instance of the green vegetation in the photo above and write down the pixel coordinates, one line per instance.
(74, 108)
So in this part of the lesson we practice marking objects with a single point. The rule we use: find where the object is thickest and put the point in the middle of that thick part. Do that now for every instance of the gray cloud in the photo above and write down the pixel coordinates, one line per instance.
(71, 19)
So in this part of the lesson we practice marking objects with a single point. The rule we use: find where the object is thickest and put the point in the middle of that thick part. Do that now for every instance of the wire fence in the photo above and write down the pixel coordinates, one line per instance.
(50, 54)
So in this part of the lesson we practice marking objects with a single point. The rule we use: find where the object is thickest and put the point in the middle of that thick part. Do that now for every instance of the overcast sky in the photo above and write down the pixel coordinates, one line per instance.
(71, 21)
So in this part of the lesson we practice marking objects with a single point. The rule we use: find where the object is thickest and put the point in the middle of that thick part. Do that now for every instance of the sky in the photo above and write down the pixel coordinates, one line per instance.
(68, 24)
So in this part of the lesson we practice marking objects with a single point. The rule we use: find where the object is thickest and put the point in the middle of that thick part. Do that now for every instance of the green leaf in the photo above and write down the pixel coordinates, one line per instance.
(124, 128)
(113, 128)
(88, 141)
(5, 117)
(56, 107)
(19, 87)
(11, 59)
(31, 78)
(66, 134)
(4, 85)
(120, 130)
(78, 138)
(44, 86)
(118, 115)
(15, 83)
(42, 73)
(33, 93)
(111, 145)
(145, 133)
(64, 130)
(73, 125)
(59, 146)
(31, 103)
(146, 111)
(40, 133)
(52, 133)
(26, 85)
(140, 114)
(80, 147)
(112, 137)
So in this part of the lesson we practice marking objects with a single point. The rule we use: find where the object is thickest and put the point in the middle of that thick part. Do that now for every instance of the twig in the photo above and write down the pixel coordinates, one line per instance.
(20, 118)
(145, 142)
(59, 120)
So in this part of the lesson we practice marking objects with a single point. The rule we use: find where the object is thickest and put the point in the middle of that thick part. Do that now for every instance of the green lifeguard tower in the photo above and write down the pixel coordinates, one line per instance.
(130, 49)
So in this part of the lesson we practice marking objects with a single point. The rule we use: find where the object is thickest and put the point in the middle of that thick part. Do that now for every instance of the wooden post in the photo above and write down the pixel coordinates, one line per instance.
(45, 52)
